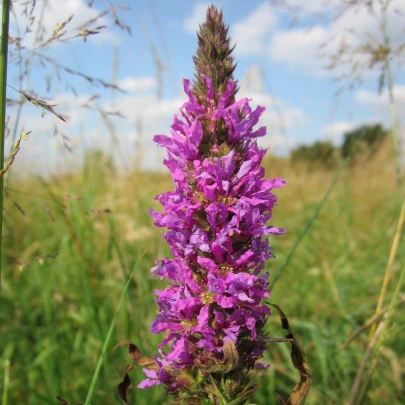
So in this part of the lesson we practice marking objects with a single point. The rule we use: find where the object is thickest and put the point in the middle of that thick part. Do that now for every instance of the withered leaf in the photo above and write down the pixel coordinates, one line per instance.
(63, 401)
(300, 391)
(231, 355)
(229, 363)
(125, 386)
(135, 354)
(280, 400)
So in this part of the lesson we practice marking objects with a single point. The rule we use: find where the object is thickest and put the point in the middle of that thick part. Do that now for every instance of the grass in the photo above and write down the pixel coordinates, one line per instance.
(77, 253)
(3, 81)
(67, 259)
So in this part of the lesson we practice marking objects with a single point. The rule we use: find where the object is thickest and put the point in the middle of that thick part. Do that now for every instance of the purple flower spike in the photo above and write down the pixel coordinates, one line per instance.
(217, 229)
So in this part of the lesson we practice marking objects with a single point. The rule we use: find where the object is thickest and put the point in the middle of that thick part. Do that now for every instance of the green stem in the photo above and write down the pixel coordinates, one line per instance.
(108, 339)
(219, 393)
(6, 382)
(394, 130)
(395, 300)
(3, 83)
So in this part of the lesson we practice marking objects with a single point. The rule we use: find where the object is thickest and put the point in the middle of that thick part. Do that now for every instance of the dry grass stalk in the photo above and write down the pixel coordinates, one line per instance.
(388, 270)
(23, 136)
(359, 376)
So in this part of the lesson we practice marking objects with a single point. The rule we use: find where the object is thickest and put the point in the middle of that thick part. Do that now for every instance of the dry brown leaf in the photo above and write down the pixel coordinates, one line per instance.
(280, 400)
(300, 391)
(125, 386)
(63, 401)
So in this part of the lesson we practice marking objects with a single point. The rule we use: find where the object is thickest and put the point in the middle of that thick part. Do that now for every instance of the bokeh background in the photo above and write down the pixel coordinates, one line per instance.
(78, 194)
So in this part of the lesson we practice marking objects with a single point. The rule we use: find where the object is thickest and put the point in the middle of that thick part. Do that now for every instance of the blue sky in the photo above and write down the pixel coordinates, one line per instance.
(279, 66)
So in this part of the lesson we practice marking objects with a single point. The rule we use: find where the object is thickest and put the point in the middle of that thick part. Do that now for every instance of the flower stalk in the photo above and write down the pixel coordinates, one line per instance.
(217, 228)
(3, 83)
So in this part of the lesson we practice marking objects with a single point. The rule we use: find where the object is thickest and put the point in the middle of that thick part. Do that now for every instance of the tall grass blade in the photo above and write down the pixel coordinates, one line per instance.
(384, 334)
(357, 381)
(107, 340)
(394, 131)
(6, 382)
(3, 83)
(388, 270)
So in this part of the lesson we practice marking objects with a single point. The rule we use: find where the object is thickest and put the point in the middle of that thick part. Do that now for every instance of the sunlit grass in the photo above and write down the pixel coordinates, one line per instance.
(72, 243)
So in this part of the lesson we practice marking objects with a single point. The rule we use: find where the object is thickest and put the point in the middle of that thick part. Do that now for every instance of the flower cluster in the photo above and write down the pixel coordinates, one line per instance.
(217, 221)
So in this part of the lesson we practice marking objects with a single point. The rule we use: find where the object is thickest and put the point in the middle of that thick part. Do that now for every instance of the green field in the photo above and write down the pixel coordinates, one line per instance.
(70, 243)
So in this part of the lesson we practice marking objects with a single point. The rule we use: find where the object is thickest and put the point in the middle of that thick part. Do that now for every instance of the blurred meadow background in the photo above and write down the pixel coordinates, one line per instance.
(91, 91)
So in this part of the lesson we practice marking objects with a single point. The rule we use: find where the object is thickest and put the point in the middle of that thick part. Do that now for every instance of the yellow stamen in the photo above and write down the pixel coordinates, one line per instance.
(223, 270)
(207, 297)
(189, 324)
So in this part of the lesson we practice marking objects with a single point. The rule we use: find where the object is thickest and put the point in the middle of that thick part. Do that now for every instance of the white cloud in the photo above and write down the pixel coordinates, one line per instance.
(145, 116)
(282, 127)
(298, 48)
(192, 23)
(278, 143)
(43, 151)
(55, 14)
(283, 120)
(147, 107)
(371, 98)
(138, 83)
(313, 6)
(334, 132)
(279, 113)
(363, 24)
(380, 100)
(252, 34)
(379, 104)
(132, 137)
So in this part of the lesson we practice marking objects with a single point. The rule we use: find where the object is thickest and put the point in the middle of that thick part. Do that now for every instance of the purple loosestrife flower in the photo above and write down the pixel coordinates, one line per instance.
(217, 221)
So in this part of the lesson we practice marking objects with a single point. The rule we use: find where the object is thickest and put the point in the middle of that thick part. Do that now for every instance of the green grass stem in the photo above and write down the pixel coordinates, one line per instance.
(3, 83)
(388, 270)
(107, 341)
(394, 130)
(343, 256)
(6, 382)
(384, 334)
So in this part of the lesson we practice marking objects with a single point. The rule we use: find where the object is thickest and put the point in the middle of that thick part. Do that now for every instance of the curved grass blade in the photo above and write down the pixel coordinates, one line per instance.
(108, 339)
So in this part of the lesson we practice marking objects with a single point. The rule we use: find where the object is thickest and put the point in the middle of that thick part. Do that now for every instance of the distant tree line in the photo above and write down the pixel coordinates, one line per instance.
(360, 142)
